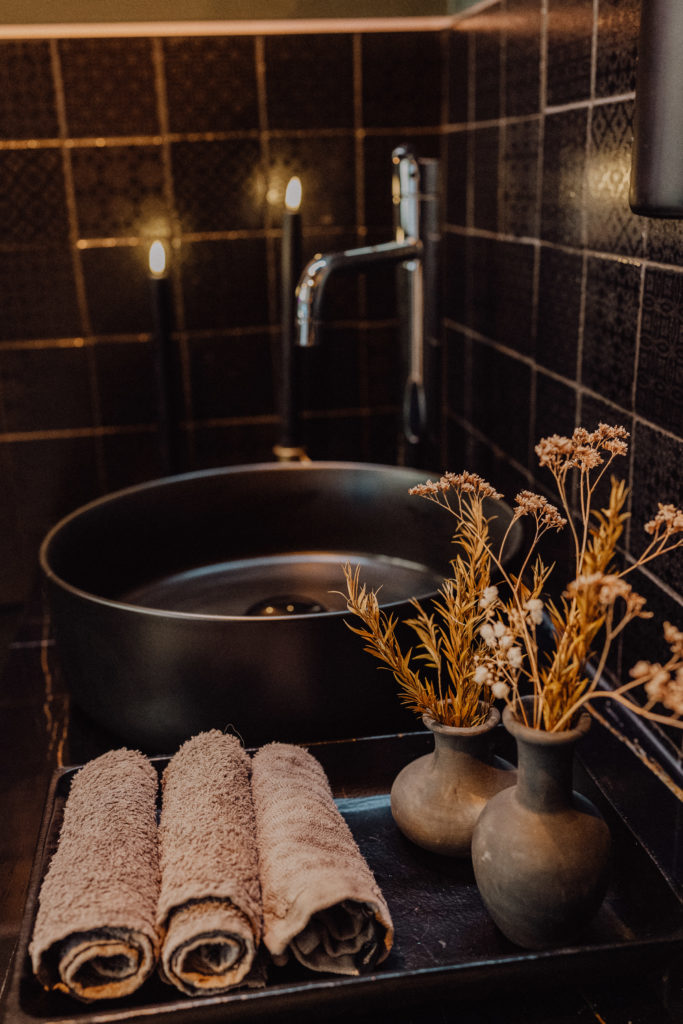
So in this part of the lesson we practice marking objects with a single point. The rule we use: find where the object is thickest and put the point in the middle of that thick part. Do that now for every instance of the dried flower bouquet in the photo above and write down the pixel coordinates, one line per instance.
(499, 624)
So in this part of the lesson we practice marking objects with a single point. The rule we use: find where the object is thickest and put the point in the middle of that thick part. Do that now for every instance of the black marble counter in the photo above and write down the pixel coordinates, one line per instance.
(40, 730)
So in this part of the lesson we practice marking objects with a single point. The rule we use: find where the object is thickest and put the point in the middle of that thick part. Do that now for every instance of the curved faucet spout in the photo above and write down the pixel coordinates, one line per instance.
(317, 272)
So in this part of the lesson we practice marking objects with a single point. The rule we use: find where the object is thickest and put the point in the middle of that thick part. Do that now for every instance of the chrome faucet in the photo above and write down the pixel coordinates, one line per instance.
(414, 196)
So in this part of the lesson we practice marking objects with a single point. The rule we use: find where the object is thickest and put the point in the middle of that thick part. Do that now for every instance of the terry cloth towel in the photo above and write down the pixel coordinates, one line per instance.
(95, 935)
(210, 901)
(320, 898)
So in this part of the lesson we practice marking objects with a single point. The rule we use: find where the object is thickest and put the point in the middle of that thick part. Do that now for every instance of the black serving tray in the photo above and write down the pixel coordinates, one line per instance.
(445, 940)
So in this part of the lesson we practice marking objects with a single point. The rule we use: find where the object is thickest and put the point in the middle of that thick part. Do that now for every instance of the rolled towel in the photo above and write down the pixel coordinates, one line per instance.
(210, 901)
(95, 935)
(320, 898)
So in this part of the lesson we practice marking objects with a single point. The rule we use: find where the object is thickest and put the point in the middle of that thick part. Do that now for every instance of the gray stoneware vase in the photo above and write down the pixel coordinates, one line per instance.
(436, 800)
(540, 851)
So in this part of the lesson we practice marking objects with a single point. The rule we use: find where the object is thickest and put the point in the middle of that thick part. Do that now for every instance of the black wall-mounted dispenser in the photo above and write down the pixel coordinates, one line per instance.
(657, 159)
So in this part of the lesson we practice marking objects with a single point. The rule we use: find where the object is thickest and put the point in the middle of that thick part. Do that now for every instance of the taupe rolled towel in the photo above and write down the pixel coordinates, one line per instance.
(320, 899)
(95, 935)
(210, 902)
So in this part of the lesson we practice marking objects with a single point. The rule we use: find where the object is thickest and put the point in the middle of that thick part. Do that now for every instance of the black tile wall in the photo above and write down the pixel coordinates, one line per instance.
(107, 143)
(570, 311)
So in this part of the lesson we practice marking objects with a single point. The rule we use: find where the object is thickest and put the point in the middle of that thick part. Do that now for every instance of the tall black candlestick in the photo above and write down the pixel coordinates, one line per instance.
(290, 439)
(164, 363)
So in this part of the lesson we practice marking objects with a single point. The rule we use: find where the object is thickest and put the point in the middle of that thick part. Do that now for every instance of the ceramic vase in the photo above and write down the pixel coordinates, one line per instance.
(436, 800)
(540, 851)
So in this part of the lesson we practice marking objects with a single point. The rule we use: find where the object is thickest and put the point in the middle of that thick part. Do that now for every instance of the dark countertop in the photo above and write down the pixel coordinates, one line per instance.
(40, 731)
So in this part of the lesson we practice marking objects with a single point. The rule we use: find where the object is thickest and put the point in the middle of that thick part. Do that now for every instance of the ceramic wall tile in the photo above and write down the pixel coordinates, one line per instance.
(231, 376)
(117, 289)
(401, 73)
(45, 389)
(32, 198)
(457, 156)
(522, 57)
(519, 173)
(609, 335)
(458, 76)
(665, 240)
(554, 407)
(126, 382)
(218, 185)
(564, 160)
(309, 86)
(317, 161)
(610, 225)
(570, 35)
(131, 458)
(500, 407)
(659, 391)
(456, 256)
(501, 282)
(224, 285)
(109, 87)
(487, 51)
(28, 108)
(617, 52)
(119, 191)
(224, 96)
(559, 310)
(656, 477)
(485, 149)
(38, 294)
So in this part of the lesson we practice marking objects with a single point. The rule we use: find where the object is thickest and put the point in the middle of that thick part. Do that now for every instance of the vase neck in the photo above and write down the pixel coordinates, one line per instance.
(456, 746)
(545, 774)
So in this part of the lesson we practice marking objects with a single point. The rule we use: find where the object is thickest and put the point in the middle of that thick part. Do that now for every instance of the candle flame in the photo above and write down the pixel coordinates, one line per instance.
(293, 194)
(157, 258)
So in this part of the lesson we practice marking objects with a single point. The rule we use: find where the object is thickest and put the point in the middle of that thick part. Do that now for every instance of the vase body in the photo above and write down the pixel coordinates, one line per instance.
(540, 851)
(436, 800)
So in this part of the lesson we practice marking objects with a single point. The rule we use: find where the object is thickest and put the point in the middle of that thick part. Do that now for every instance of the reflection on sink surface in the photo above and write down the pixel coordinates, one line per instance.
(206, 600)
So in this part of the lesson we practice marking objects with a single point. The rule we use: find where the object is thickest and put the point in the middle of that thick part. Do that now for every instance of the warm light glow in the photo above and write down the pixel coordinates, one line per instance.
(157, 259)
(293, 194)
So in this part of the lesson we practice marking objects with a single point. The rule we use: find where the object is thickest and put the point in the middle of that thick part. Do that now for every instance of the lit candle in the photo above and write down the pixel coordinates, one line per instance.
(163, 356)
(290, 271)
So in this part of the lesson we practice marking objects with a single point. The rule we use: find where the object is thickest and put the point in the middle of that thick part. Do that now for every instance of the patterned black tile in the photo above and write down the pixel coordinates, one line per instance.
(27, 95)
(333, 379)
(555, 407)
(486, 40)
(644, 639)
(609, 338)
(384, 377)
(32, 199)
(610, 225)
(522, 57)
(519, 204)
(109, 87)
(500, 280)
(659, 387)
(233, 444)
(401, 79)
(664, 240)
(458, 177)
(131, 458)
(618, 24)
(224, 284)
(309, 84)
(231, 376)
(458, 75)
(593, 412)
(218, 185)
(38, 294)
(485, 143)
(377, 150)
(458, 372)
(564, 157)
(559, 310)
(501, 392)
(119, 191)
(570, 34)
(345, 438)
(117, 289)
(45, 388)
(126, 382)
(456, 264)
(656, 478)
(318, 161)
(222, 97)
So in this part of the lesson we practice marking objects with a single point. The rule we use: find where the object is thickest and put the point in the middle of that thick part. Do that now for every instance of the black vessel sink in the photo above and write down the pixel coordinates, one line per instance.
(207, 600)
